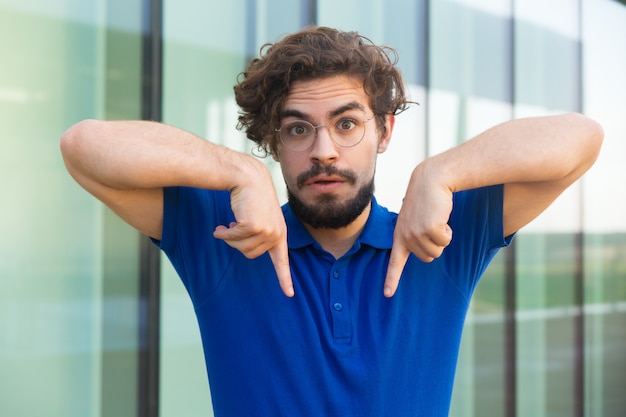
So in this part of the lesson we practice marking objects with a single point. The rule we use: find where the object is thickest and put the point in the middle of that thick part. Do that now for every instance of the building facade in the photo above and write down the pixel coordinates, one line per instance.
(93, 322)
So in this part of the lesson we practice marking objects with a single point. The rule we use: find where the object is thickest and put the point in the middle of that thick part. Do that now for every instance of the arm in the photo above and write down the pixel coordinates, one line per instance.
(536, 159)
(127, 164)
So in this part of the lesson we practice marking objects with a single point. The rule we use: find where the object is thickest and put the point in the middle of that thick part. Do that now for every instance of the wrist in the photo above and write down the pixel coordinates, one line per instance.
(248, 172)
(434, 172)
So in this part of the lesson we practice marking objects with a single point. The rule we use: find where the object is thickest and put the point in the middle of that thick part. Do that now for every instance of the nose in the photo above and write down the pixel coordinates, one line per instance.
(324, 150)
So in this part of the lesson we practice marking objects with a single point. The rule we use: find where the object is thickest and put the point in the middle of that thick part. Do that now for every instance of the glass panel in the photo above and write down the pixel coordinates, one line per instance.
(67, 267)
(204, 50)
(479, 383)
(206, 45)
(380, 21)
(604, 221)
(545, 324)
(547, 53)
(470, 90)
(547, 57)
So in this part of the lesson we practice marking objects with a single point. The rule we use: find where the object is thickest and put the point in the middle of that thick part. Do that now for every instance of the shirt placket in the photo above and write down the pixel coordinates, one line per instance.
(339, 305)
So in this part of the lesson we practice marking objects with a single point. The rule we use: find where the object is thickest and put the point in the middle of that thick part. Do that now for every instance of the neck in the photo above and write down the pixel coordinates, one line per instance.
(339, 241)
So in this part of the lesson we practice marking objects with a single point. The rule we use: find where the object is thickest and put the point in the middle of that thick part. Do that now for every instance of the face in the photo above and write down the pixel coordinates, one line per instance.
(329, 186)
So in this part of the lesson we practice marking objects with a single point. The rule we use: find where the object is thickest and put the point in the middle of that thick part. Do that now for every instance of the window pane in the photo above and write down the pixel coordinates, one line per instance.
(470, 90)
(67, 267)
(380, 21)
(206, 45)
(604, 207)
(547, 57)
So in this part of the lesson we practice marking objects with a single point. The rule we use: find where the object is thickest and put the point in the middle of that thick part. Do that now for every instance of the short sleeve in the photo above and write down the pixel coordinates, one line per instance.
(190, 216)
(477, 235)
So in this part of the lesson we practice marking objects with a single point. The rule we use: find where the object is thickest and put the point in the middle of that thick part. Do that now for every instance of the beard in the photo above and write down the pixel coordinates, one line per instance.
(328, 212)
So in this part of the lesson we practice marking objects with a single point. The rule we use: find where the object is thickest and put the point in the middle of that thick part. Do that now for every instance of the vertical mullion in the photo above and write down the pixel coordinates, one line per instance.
(309, 12)
(152, 59)
(579, 292)
(251, 29)
(510, 330)
(149, 270)
(579, 329)
(510, 290)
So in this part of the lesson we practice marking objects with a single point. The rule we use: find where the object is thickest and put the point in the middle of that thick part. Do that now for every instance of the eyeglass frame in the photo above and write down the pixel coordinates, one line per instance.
(315, 127)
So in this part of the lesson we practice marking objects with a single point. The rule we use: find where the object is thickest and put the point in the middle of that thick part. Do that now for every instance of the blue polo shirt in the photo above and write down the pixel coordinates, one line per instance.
(339, 347)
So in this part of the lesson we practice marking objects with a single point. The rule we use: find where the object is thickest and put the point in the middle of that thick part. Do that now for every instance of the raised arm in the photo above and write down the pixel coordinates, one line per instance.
(126, 164)
(535, 158)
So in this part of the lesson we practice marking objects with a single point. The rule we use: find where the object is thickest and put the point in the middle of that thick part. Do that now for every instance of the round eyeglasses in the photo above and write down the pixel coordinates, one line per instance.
(299, 135)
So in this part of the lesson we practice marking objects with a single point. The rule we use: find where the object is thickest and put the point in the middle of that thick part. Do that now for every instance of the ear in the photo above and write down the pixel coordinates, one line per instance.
(383, 143)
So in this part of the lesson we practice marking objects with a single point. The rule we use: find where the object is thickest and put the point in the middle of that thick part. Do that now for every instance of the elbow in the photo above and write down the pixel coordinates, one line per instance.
(75, 134)
(592, 130)
(73, 140)
(75, 147)
(591, 136)
(596, 137)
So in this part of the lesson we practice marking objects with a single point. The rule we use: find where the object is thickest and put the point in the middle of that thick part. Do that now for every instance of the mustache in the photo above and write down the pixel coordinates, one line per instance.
(319, 169)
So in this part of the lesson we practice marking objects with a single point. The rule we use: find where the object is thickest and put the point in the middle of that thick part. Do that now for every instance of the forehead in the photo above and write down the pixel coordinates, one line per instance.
(320, 97)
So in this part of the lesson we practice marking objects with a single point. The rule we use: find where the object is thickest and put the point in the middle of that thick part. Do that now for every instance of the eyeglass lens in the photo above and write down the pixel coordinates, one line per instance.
(299, 135)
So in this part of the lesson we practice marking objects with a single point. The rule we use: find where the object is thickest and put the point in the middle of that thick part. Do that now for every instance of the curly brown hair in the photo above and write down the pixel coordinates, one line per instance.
(314, 52)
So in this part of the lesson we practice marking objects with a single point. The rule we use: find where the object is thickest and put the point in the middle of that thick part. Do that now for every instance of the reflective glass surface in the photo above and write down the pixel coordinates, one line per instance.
(68, 267)
(546, 332)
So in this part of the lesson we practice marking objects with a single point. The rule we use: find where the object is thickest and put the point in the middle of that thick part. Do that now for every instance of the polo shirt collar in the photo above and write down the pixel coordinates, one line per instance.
(378, 230)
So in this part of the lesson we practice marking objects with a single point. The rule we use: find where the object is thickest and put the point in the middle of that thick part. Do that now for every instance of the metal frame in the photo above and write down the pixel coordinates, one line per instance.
(150, 267)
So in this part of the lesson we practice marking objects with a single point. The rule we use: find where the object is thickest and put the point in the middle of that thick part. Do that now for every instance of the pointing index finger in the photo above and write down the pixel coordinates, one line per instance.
(280, 258)
(397, 261)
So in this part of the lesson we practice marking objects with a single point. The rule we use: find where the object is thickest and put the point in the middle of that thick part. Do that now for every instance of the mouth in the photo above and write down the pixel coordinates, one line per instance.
(320, 176)
(324, 184)
(325, 180)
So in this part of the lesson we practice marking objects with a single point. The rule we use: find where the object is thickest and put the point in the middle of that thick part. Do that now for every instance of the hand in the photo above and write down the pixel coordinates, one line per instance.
(422, 228)
(260, 227)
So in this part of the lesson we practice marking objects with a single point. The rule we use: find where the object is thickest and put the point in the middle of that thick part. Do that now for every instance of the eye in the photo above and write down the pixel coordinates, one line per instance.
(298, 129)
(344, 126)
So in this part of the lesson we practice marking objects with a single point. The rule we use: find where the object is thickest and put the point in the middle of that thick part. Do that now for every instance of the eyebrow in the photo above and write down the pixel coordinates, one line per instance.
(353, 105)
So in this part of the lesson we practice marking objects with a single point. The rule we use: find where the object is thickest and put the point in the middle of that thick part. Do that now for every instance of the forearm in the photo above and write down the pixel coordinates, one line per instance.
(138, 154)
(555, 149)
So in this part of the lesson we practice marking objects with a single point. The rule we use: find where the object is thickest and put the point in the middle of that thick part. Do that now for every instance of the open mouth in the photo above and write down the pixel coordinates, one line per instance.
(324, 176)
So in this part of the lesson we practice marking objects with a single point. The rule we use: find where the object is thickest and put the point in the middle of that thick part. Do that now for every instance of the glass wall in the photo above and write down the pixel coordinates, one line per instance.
(68, 275)
(470, 90)
(546, 334)
(380, 22)
(471, 65)
(204, 51)
(604, 66)
(548, 70)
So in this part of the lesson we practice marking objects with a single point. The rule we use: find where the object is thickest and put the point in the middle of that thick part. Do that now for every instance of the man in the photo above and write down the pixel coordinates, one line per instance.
(375, 302)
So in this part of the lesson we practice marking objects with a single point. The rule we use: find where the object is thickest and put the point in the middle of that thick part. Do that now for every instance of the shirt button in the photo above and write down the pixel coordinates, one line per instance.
(338, 306)
(336, 274)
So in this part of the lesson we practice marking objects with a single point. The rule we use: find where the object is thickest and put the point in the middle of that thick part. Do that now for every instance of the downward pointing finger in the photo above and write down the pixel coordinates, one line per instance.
(280, 258)
(397, 261)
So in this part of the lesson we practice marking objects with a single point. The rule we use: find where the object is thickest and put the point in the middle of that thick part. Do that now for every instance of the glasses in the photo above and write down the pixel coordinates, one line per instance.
(345, 131)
